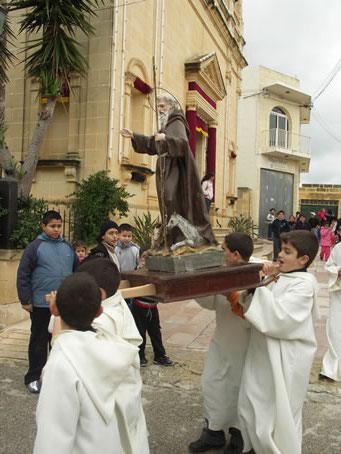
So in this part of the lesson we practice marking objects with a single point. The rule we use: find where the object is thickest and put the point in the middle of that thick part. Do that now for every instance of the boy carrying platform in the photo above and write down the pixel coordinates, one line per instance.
(225, 360)
(281, 349)
(91, 393)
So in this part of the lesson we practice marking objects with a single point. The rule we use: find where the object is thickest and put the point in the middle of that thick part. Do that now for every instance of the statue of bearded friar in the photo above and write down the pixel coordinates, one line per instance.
(182, 189)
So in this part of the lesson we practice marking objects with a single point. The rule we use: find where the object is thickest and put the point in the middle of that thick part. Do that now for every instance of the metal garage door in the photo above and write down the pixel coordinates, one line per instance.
(276, 191)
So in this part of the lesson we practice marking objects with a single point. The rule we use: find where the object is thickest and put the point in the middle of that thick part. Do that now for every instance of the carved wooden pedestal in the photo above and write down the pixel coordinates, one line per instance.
(170, 287)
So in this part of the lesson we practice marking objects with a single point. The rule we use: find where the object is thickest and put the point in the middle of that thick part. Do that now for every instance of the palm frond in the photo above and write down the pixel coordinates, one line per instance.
(55, 53)
(6, 56)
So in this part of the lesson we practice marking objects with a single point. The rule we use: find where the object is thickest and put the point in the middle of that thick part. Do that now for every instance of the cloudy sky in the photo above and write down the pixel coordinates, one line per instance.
(302, 38)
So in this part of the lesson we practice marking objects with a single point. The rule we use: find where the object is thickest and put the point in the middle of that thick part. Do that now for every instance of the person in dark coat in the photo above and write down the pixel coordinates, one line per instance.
(279, 226)
(106, 241)
(182, 189)
(302, 224)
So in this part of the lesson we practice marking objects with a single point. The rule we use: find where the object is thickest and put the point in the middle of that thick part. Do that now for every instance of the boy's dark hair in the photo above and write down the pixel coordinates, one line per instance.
(304, 242)
(280, 211)
(105, 273)
(240, 242)
(143, 249)
(125, 228)
(78, 243)
(49, 215)
(78, 300)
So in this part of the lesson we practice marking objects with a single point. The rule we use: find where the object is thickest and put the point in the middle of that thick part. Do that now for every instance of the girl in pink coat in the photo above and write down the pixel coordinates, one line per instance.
(327, 241)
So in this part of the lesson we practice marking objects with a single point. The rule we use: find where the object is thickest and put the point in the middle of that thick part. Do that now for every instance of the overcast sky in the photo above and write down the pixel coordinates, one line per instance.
(302, 38)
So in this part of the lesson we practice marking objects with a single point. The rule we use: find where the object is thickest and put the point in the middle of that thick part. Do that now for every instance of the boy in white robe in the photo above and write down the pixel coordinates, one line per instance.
(281, 350)
(91, 394)
(225, 360)
(331, 366)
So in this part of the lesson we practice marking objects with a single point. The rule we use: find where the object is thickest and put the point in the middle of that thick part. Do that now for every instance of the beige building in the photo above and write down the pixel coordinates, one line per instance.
(197, 45)
(271, 150)
(313, 197)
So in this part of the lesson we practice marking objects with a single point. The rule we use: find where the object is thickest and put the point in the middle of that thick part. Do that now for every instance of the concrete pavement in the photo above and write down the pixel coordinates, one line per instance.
(171, 396)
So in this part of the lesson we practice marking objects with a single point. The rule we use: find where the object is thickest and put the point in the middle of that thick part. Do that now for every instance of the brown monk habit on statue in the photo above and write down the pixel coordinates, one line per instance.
(182, 189)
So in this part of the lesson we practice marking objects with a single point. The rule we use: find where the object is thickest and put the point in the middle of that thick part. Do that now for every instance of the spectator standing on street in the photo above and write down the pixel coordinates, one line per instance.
(270, 217)
(207, 188)
(302, 224)
(46, 261)
(292, 222)
(80, 250)
(127, 252)
(330, 216)
(279, 226)
(322, 214)
(147, 319)
(338, 229)
(314, 224)
(327, 240)
(107, 240)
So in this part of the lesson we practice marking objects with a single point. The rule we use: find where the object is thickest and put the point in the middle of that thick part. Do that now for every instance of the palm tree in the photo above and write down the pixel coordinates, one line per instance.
(53, 56)
(6, 58)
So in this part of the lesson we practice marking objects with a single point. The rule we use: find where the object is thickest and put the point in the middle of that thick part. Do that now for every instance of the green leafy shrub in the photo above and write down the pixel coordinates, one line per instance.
(95, 200)
(243, 225)
(143, 230)
(29, 215)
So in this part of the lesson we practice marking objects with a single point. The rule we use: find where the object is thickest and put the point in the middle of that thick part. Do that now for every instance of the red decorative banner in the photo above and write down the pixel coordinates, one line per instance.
(142, 86)
(193, 86)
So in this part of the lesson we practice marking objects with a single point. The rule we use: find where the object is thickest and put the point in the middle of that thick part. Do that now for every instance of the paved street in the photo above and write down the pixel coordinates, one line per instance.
(171, 397)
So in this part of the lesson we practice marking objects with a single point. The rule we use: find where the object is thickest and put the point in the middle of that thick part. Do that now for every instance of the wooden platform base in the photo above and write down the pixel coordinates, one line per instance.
(168, 287)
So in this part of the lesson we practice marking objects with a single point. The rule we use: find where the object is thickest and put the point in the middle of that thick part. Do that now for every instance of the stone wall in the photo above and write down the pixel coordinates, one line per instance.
(10, 308)
(321, 195)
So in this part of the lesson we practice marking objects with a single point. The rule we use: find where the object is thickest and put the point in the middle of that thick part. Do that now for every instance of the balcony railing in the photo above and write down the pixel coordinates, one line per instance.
(285, 143)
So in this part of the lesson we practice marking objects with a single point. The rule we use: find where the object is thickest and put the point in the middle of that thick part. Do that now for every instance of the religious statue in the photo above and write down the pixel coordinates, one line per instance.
(177, 180)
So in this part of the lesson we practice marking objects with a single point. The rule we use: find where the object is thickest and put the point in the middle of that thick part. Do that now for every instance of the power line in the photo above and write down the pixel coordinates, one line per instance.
(323, 124)
(328, 80)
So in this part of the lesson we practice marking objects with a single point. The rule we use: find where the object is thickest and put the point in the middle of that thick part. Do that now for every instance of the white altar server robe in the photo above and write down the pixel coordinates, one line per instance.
(331, 366)
(278, 363)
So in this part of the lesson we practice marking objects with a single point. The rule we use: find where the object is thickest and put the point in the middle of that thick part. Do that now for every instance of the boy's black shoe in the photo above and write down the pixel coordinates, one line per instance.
(325, 378)
(163, 361)
(143, 362)
(34, 387)
(236, 443)
(209, 439)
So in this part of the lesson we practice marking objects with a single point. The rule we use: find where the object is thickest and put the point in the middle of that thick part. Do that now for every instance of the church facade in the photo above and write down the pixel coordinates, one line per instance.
(197, 46)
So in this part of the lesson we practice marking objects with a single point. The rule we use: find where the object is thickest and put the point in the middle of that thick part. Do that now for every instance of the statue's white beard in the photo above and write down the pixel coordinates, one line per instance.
(163, 118)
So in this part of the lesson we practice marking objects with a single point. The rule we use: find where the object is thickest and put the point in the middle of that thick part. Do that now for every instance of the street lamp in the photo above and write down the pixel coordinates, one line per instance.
(3, 14)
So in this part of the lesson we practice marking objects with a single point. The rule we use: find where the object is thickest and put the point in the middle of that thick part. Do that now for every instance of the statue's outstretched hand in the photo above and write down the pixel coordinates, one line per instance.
(160, 136)
(126, 133)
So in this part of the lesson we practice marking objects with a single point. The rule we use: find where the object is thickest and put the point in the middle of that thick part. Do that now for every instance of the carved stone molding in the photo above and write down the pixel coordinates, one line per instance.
(71, 174)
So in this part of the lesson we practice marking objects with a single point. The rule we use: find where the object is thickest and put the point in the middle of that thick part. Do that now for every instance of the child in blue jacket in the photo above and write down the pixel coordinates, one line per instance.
(45, 262)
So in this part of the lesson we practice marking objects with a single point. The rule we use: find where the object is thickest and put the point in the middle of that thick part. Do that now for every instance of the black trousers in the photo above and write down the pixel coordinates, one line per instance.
(208, 203)
(39, 341)
(277, 247)
(148, 320)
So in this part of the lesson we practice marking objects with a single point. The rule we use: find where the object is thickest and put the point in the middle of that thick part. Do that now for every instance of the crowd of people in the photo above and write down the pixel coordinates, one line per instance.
(323, 224)
(91, 378)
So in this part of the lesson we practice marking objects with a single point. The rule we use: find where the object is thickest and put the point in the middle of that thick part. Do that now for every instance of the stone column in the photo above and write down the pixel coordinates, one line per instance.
(211, 147)
(191, 116)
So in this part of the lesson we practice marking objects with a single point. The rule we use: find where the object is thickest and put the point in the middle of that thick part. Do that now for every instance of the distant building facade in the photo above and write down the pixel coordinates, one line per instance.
(271, 150)
(198, 49)
(313, 197)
